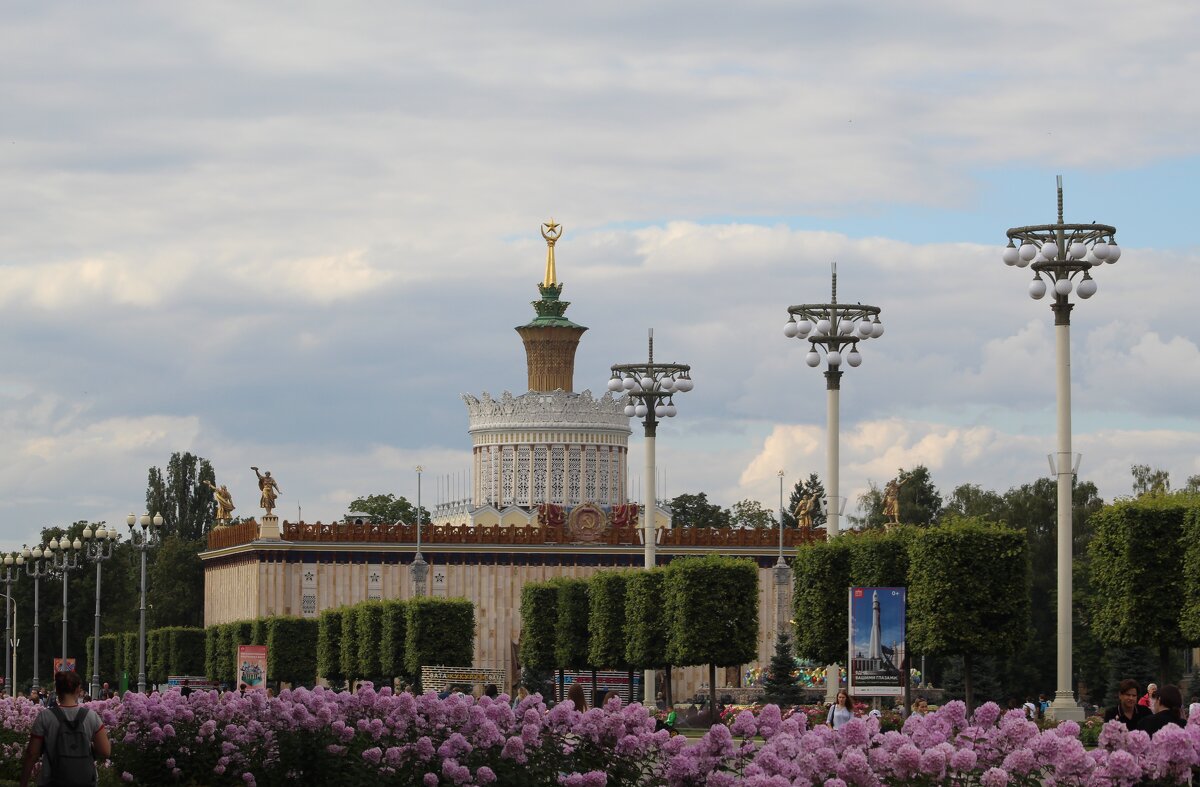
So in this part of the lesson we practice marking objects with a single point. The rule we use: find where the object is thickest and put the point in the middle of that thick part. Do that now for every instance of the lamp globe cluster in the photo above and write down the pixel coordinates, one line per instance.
(650, 387)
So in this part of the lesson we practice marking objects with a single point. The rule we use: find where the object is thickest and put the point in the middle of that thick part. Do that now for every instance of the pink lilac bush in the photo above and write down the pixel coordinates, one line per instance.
(378, 737)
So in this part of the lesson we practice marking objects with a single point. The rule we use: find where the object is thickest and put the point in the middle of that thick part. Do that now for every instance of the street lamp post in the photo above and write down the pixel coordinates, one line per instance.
(651, 388)
(8, 579)
(1066, 254)
(783, 573)
(142, 541)
(98, 547)
(419, 568)
(833, 327)
(36, 567)
(64, 557)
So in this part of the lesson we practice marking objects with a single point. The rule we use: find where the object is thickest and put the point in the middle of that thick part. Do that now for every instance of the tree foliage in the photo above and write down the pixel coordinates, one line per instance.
(176, 583)
(822, 577)
(329, 645)
(606, 620)
(387, 509)
(751, 513)
(694, 510)
(539, 622)
(968, 590)
(711, 606)
(393, 622)
(440, 631)
(920, 501)
(1149, 480)
(571, 633)
(186, 504)
(349, 644)
(291, 650)
(1136, 564)
(780, 687)
(645, 627)
(369, 630)
(1189, 616)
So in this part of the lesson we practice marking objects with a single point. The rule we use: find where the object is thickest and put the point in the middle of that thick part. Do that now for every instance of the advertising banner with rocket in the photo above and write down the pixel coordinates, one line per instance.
(877, 648)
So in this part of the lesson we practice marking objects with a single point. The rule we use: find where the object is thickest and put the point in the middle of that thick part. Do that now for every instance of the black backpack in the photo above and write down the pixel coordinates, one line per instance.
(72, 764)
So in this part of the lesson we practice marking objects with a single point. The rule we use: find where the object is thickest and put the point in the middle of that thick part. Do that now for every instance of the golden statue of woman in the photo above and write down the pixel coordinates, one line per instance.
(225, 506)
(269, 488)
(891, 501)
(803, 512)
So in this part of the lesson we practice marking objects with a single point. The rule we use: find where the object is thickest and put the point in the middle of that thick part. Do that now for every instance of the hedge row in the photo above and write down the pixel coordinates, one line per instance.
(290, 641)
(169, 651)
(692, 611)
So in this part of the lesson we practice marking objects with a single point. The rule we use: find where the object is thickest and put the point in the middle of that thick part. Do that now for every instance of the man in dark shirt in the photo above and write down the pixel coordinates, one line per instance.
(1170, 704)
(1128, 711)
(186, 689)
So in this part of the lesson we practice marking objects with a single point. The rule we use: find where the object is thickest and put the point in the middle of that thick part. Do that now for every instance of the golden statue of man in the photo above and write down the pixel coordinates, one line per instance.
(224, 500)
(891, 501)
(804, 509)
(269, 488)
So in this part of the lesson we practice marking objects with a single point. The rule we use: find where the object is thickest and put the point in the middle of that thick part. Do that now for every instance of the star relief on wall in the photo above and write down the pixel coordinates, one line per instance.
(375, 576)
(309, 576)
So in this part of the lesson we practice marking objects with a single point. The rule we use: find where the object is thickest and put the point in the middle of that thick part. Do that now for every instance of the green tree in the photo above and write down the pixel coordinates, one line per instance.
(780, 686)
(392, 624)
(387, 509)
(920, 500)
(711, 607)
(539, 620)
(968, 591)
(329, 645)
(645, 623)
(806, 487)
(571, 634)
(369, 628)
(750, 513)
(175, 589)
(292, 650)
(694, 510)
(606, 620)
(439, 631)
(1192, 486)
(822, 579)
(1136, 563)
(1150, 481)
(972, 500)
(186, 504)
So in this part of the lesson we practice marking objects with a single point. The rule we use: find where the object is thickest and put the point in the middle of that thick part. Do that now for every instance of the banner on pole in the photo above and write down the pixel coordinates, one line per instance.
(58, 665)
(252, 668)
(877, 647)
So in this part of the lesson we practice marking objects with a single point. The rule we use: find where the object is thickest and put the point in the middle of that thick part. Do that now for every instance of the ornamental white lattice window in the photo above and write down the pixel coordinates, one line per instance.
(539, 475)
(558, 461)
(523, 476)
(603, 489)
(506, 476)
(573, 471)
(485, 474)
(589, 475)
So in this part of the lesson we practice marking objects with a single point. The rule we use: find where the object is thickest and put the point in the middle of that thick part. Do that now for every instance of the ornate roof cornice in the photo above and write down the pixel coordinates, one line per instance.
(549, 410)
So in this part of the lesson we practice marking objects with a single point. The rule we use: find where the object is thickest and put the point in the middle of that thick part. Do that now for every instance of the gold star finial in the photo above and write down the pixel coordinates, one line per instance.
(551, 232)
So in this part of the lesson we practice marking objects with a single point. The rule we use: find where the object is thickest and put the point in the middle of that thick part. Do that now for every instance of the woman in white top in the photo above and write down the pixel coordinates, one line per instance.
(840, 711)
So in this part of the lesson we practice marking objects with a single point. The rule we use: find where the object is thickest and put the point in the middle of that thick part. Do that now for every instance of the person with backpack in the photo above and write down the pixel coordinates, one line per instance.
(67, 738)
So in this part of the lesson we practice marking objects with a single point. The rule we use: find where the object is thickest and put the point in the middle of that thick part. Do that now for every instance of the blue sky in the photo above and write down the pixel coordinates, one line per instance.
(291, 236)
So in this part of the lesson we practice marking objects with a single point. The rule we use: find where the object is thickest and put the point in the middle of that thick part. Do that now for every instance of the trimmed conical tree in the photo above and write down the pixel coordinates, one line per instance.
(780, 687)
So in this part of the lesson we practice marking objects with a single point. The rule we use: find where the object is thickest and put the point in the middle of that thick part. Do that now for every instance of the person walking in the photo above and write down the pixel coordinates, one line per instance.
(841, 711)
(67, 739)
(1170, 711)
(1128, 710)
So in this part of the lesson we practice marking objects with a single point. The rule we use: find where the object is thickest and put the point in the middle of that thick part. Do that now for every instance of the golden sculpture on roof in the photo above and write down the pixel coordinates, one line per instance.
(551, 232)
(891, 501)
(224, 499)
(269, 488)
(804, 509)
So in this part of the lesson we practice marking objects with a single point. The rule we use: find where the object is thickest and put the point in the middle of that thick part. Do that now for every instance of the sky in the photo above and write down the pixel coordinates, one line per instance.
(292, 235)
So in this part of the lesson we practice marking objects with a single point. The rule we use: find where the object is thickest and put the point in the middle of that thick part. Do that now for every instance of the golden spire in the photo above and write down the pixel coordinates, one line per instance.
(551, 232)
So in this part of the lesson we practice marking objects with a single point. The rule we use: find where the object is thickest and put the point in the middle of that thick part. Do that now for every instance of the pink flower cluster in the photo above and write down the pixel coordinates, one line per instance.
(378, 737)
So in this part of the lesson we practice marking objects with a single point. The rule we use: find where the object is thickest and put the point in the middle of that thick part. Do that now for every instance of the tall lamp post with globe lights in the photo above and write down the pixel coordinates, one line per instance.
(35, 567)
(98, 547)
(1065, 254)
(651, 388)
(833, 327)
(8, 579)
(64, 557)
(142, 541)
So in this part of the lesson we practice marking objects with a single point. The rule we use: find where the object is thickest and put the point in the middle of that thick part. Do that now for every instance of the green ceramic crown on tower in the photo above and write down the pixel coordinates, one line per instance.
(550, 309)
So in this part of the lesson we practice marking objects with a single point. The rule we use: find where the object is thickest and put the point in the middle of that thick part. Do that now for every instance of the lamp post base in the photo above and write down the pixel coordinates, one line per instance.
(1064, 708)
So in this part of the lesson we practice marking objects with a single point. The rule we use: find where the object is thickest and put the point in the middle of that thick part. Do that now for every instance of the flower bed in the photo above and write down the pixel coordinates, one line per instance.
(325, 737)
